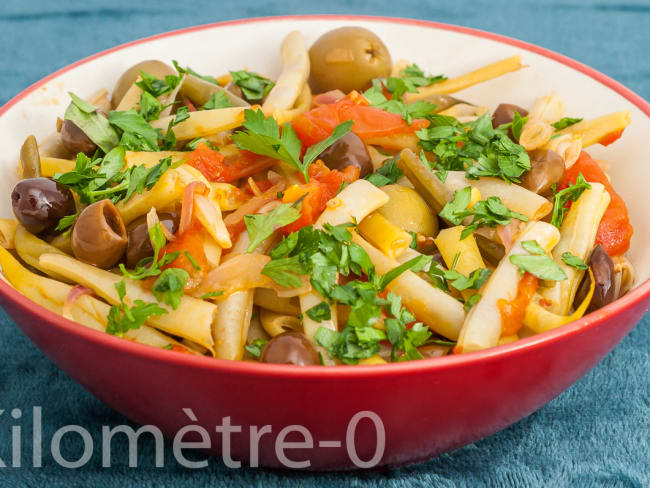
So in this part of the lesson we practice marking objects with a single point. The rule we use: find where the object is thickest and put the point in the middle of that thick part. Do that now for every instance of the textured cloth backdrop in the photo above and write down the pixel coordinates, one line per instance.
(595, 434)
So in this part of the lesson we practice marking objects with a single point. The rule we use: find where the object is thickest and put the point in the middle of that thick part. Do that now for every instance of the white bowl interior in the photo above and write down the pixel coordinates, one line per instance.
(255, 46)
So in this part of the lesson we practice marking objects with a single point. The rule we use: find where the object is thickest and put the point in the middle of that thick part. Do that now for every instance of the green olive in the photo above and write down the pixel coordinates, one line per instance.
(407, 210)
(347, 59)
(30, 160)
(153, 67)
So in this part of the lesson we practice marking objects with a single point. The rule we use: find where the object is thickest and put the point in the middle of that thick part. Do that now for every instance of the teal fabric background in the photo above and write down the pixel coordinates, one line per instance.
(595, 434)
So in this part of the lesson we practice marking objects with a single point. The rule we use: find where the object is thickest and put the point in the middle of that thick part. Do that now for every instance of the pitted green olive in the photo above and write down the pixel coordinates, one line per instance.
(99, 235)
(407, 210)
(347, 59)
(153, 67)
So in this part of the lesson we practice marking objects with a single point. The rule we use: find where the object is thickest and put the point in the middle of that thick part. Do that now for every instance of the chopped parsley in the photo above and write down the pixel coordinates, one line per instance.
(87, 117)
(320, 312)
(137, 134)
(211, 294)
(516, 126)
(152, 266)
(574, 261)
(322, 255)
(190, 71)
(155, 86)
(565, 122)
(168, 287)
(217, 100)
(262, 136)
(261, 226)
(255, 347)
(388, 174)
(474, 147)
(122, 318)
(485, 213)
(253, 86)
(538, 263)
(99, 178)
(563, 197)
(67, 222)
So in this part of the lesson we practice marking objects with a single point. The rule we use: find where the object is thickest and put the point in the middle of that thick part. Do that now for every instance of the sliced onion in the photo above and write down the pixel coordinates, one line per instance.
(252, 206)
(152, 220)
(327, 98)
(76, 292)
(209, 215)
(241, 272)
(275, 178)
(244, 272)
(507, 233)
(188, 204)
(254, 188)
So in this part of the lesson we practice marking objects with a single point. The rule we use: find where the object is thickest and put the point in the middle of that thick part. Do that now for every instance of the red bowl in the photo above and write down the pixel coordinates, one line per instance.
(424, 408)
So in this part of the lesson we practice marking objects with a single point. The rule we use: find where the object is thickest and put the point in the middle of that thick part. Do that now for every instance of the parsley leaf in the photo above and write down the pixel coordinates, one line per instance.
(261, 226)
(388, 174)
(122, 318)
(211, 294)
(486, 213)
(471, 301)
(149, 107)
(533, 247)
(351, 344)
(320, 312)
(416, 264)
(474, 147)
(574, 261)
(563, 197)
(217, 100)
(565, 122)
(285, 271)
(168, 287)
(253, 86)
(190, 71)
(314, 151)
(155, 86)
(408, 111)
(67, 222)
(86, 116)
(541, 266)
(137, 134)
(262, 136)
(255, 347)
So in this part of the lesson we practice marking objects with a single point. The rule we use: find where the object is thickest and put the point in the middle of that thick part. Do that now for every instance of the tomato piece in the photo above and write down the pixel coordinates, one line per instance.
(374, 122)
(317, 124)
(214, 167)
(323, 185)
(192, 242)
(208, 161)
(607, 139)
(615, 231)
(513, 312)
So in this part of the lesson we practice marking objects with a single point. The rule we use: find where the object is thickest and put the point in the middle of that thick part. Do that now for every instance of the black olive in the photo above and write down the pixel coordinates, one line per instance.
(75, 140)
(349, 150)
(39, 204)
(602, 267)
(505, 113)
(290, 348)
(139, 245)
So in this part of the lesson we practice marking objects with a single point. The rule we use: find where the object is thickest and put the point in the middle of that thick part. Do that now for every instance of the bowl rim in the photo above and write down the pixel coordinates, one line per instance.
(636, 296)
